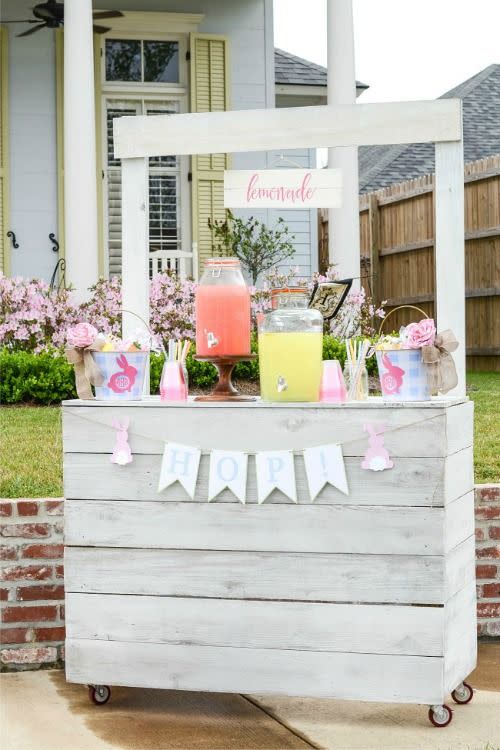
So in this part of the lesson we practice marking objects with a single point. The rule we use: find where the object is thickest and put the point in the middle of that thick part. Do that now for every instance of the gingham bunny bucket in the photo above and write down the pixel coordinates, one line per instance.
(403, 375)
(123, 374)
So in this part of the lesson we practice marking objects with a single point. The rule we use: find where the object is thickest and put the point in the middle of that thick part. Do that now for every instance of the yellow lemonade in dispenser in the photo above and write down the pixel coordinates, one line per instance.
(290, 366)
(290, 349)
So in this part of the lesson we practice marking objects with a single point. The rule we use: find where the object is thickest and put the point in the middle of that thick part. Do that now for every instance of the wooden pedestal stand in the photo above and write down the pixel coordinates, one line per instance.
(225, 390)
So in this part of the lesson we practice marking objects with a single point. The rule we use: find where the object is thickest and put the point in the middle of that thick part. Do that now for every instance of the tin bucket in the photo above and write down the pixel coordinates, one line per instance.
(123, 373)
(403, 375)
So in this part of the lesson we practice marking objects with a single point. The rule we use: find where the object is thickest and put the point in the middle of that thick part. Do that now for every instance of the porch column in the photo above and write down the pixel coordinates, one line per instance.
(80, 190)
(343, 222)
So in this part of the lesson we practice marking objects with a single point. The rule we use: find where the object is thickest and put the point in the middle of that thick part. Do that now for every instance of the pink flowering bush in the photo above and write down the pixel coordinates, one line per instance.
(32, 317)
(172, 313)
(103, 309)
(36, 319)
(357, 316)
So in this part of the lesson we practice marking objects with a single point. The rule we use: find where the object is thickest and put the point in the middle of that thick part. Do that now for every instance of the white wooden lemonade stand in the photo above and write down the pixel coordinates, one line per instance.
(365, 596)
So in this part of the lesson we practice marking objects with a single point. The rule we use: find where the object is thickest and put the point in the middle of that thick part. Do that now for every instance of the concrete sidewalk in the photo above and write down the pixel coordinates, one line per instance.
(42, 712)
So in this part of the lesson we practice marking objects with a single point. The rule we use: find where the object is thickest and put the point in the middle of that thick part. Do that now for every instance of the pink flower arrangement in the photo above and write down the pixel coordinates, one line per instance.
(81, 335)
(412, 336)
(420, 334)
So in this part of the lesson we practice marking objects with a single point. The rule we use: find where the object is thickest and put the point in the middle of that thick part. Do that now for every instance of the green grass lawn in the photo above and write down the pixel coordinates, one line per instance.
(30, 451)
(484, 390)
(31, 444)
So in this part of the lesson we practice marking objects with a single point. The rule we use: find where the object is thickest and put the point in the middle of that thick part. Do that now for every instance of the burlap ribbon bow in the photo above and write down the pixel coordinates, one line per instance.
(87, 372)
(441, 370)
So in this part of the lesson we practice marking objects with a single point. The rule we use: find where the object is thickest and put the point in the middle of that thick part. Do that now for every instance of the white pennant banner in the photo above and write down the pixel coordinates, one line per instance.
(275, 470)
(325, 465)
(228, 469)
(180, 464)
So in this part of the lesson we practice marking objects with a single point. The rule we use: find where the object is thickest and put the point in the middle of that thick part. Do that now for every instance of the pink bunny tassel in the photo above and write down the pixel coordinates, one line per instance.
(377, 456)
(122, 454)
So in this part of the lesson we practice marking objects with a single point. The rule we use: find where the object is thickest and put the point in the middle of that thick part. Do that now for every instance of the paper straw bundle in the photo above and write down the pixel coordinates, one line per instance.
(178, 351)
(357, 352)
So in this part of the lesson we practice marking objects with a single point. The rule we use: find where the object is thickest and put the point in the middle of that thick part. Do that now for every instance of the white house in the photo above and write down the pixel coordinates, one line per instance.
(159, 56)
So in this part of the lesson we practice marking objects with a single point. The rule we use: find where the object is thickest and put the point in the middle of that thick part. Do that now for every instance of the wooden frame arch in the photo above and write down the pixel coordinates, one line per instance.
(438, 122)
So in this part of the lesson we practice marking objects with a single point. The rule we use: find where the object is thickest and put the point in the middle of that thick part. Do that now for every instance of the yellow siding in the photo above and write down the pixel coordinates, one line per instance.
(209, 93)
(4, 154)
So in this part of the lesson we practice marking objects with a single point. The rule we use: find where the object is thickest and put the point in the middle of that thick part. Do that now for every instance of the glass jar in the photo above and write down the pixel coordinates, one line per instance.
(290, 348)
(358, 391)
(222, 310)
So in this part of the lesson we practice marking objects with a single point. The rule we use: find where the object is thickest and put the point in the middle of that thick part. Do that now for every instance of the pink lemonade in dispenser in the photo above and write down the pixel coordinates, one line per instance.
(222, 310)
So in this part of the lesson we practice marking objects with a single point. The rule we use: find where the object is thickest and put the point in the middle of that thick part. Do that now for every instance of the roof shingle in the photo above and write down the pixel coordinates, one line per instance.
(380, 166)
(292, 70)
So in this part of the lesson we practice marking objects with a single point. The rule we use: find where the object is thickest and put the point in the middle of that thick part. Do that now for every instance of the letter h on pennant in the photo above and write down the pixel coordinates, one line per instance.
(180, 464)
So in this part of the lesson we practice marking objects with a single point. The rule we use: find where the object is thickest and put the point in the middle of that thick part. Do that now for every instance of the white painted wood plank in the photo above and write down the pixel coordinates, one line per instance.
(460, 567)
(412, 679)
(458, 521)
(450, 249)
(261, 528)
(135, 248)
(417, 482)
(459, 474)
(460, 427)
(441, 403)
(294, 127)
(392, 579)
(409, 432)
(303, 626)
(460, 637)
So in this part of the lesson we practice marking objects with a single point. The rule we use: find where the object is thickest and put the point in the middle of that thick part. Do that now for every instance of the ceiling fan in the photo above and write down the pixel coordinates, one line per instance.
(50, 15)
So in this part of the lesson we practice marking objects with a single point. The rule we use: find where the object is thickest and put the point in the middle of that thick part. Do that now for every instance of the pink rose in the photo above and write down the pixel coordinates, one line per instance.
(81, 335)
(420, 334)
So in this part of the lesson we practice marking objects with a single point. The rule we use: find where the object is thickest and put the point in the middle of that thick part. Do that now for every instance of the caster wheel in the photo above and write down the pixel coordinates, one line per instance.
(99, 694)
(463, 694)
(440, 716)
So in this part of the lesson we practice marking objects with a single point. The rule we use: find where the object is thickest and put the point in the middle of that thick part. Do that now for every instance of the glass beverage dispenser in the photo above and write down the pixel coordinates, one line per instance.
(222, 310)
(290, 348)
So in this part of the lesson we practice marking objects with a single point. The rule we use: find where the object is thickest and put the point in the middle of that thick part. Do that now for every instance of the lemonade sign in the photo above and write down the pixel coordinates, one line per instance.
(283, 188)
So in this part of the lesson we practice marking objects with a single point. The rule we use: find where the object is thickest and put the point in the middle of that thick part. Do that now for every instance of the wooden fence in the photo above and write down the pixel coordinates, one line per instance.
(397, 237)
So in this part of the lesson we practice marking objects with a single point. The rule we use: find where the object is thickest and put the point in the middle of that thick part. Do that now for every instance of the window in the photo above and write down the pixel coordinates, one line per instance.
(142, 61)
(164, 191)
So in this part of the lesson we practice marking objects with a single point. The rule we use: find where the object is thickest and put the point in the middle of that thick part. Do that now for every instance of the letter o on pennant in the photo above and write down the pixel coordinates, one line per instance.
(230, 475)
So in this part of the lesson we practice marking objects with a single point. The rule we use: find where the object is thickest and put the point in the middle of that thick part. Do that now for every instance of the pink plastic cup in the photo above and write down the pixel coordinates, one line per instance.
(332, 389)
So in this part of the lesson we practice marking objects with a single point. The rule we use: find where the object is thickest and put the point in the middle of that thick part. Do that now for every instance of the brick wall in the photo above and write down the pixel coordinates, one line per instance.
(488, 558)
(31, 583)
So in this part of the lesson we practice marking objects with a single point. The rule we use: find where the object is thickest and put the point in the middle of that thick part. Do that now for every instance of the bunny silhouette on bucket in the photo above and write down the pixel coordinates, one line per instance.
(124, 380)
(377, 456)
(392, 380)
(122, 454)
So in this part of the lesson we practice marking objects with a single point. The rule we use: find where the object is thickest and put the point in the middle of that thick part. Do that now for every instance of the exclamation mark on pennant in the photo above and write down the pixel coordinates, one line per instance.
(324, 465)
